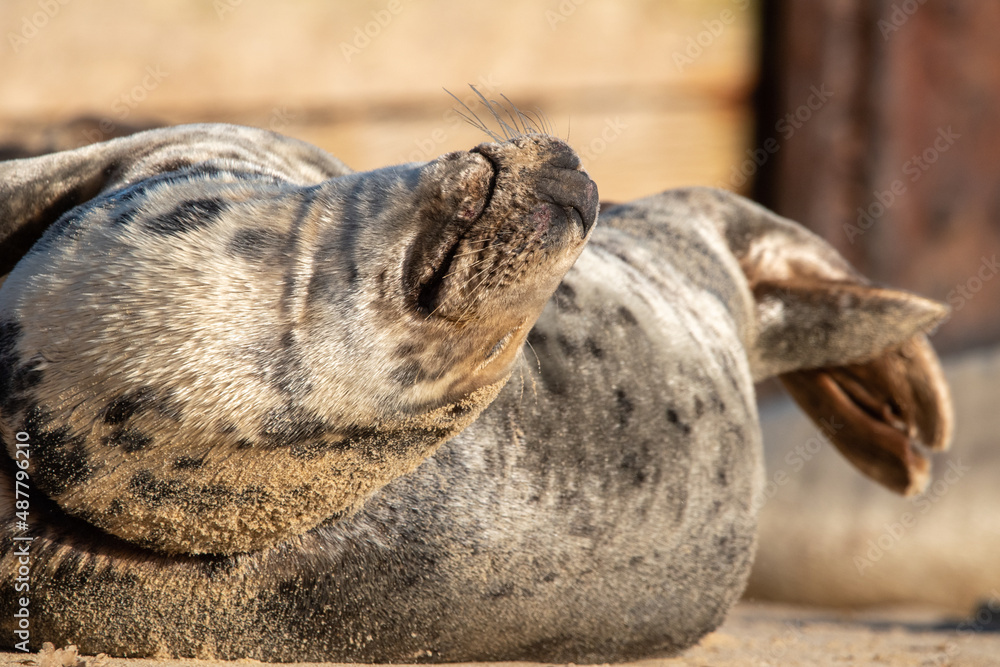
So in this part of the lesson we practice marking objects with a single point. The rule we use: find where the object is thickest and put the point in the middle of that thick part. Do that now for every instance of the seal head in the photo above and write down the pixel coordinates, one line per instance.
(216, 361)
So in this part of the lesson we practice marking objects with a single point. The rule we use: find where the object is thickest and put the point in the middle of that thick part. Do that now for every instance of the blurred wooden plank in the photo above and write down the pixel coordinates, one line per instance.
(313, 52)
(653, 93)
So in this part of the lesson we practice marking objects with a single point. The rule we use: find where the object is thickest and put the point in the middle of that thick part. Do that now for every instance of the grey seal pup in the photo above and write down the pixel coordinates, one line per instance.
(262, 410)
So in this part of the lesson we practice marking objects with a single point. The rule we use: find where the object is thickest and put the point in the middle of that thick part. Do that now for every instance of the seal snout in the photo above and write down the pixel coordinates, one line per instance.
(552, 169)
(503, 220)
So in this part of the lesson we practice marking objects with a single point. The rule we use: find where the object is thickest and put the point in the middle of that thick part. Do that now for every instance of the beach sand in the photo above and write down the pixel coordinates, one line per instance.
(755, 635)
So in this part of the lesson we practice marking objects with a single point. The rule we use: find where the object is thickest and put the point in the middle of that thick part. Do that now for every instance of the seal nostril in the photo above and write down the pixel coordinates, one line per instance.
(575, 193)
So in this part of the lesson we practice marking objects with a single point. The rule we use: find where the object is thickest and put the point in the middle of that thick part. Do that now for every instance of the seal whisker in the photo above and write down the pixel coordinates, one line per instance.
(476, 263)
(469, 252)
(543, 120)
(470, 301)
(508, 131)
(473, 251)
(472, 296)
(512, 109)
(537, 360)
(474, 121)
(527, 123)
(534, 385)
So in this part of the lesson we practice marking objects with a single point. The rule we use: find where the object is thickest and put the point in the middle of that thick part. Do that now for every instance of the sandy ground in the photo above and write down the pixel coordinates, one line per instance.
(757, 635)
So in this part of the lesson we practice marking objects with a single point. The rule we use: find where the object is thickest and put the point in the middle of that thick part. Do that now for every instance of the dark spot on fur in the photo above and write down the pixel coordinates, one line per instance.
(505, 590)
(175, 164)
(218, 566)
(59, 459)
(596, 350)
(188, 216)
(188, 463)
(255, 244)
(116, 508)
(129, 439)
(125, 217)
(460, 409)
(565, 298)
(289, 425)
(625, 407)
(72, 570)
(568, 348)
(153, 492)
(699, 407)
(289, 588)
(244, 443)
(408, 373)
(632, 468)
(286, 371)
(553, 376)
(627, 316)
(126, 406)
(214, 495)
(721, 478)
(410, 348)
(16, 379)
(673, 418)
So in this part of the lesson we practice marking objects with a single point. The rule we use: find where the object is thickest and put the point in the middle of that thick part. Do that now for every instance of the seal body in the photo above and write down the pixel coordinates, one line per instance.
(601, 508)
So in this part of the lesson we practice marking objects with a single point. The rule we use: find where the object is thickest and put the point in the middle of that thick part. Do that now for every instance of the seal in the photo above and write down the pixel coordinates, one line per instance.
(264, 408)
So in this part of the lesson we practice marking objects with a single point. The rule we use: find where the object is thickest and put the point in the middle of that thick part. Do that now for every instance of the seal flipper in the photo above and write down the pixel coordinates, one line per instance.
(876, 413)
(851, 354)
(809, 322)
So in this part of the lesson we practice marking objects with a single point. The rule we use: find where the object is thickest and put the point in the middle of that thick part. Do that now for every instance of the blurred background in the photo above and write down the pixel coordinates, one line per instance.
(873, 122)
